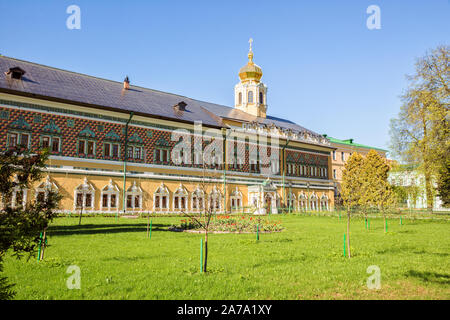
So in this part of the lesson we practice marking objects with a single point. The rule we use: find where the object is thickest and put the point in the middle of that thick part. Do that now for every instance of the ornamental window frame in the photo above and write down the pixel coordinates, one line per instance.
(180, 196)
(87, 191)
(109, 191)
(134, 193)
(19, 137)
(16, 190)
(87, 137)
(236, 198)
(160, 193)
(291, 201)
(324, 203)
(302, 202)
(215, 202)
(44, 188)
(314, 202)
(198, 200)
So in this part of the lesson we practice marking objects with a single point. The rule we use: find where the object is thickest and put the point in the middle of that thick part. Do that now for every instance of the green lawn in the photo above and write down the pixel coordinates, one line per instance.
(305, 261)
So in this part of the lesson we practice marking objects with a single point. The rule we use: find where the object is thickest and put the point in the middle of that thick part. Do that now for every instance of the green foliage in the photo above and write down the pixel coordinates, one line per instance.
(443, 184)
(351, 180)
(20, 225)
(421, 132)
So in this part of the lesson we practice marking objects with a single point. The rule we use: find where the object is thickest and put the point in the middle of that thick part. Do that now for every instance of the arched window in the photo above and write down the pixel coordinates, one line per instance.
(324, 203)
(261, 98)
(42, 189)
(109, 197)
(198, 200)
(84, 196)
(134, 197)
(161, 199)
(250, 97)
(180, 199)
(240, 98)
(302, 202)
(236, 200)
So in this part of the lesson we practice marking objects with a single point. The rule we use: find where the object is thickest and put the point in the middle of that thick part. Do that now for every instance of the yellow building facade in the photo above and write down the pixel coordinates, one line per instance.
(121, 149)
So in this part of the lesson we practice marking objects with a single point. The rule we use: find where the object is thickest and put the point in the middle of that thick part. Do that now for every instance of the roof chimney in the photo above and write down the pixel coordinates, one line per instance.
(15, 73)
(126, 83)
(180, 106)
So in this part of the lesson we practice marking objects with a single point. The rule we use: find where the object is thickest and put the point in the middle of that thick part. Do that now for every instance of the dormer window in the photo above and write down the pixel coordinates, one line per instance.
(15, 73)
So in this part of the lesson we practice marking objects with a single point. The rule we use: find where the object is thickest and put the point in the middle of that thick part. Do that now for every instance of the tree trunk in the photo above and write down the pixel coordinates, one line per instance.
(348, 232)
(81, 213)
(206, 251)
(428, 190)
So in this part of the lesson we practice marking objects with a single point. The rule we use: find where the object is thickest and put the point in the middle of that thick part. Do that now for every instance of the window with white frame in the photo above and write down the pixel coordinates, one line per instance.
(302, 202)
(134, 197)
(84, 196)
(161, 198)
(198, 200)
(180, 199)
(291, 201)
(324, 203)
(110, 197)
(313, 202)
(18, 138)
(215, 200)
(236, 200)
(19, 195)
(42, 190)
(334, 154)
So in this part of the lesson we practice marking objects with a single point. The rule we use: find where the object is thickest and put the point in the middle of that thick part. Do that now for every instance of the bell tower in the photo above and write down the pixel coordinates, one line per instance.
(250, 94)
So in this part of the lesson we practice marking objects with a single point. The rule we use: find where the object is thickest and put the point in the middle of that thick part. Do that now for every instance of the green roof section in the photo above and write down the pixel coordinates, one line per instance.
(349, 142)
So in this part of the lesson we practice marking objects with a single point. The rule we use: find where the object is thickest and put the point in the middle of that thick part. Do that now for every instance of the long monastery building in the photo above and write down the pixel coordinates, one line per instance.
(119, 148)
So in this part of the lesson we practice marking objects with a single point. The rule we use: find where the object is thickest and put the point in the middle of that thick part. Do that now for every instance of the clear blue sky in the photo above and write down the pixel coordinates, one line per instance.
(324, 68)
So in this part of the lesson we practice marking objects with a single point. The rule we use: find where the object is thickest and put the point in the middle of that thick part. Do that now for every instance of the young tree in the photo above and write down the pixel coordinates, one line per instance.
(20, 225)
(420, 134)
(378, 192)
(351, 188)
(210, 204)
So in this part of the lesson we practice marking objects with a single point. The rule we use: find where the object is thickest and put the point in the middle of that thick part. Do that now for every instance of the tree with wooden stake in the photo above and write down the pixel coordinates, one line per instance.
(378, 191)
(351, 188)
(22, 222)
(209, 186)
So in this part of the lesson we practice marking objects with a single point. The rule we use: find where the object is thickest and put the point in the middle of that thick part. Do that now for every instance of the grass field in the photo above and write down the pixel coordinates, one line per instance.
(305, 261)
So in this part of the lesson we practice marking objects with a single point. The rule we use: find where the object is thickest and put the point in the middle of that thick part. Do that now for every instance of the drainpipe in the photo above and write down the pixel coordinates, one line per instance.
(284, 171)
(125, 157)
(224, 135)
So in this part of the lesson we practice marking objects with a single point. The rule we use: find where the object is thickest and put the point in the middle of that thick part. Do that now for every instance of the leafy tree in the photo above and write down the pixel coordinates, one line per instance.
(351, 186)
(377, 191)
(20, 225)
(420, 134)
(443, 184)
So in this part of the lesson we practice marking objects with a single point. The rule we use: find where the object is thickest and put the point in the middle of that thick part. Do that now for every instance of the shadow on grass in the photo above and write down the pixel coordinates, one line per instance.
(439, 278)
(410, 249)
(103, 229)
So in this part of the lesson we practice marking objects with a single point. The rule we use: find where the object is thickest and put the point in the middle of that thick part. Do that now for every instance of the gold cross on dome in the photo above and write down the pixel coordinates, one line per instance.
(250, 41)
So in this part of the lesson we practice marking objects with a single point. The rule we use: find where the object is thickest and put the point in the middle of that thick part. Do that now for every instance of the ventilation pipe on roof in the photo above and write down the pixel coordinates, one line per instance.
(180, 106)
(126, 83)
(15, 73)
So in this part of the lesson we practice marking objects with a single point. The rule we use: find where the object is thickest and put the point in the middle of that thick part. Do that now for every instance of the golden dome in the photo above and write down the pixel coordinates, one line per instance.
(250, 71)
